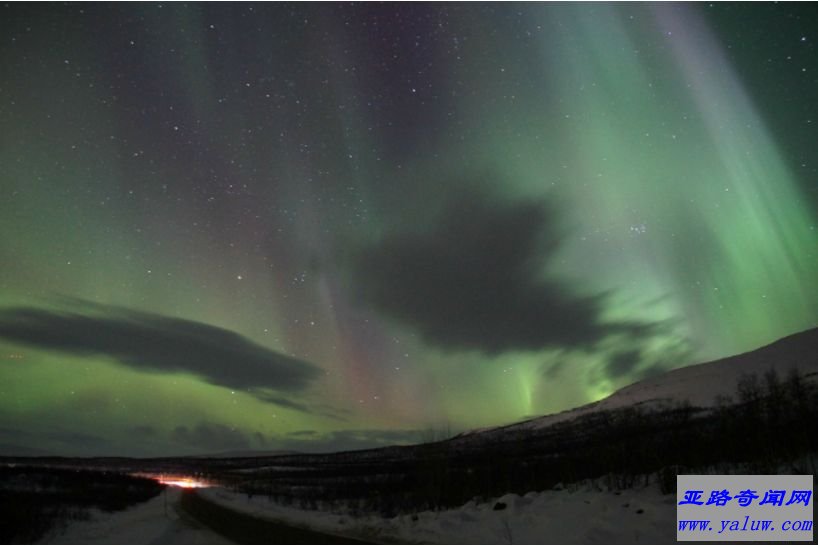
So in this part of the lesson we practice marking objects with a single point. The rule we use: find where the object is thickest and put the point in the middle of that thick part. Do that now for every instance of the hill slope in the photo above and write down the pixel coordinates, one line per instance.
(699, 384)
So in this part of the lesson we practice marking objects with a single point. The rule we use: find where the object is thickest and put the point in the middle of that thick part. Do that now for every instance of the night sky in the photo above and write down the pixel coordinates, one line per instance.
(231, 227)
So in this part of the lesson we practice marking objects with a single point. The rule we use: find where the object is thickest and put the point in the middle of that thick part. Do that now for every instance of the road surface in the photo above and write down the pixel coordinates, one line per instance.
(245, 529)
(157, 521)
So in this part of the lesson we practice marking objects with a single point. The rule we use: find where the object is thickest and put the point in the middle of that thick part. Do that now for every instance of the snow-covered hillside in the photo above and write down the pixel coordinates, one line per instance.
(699, 384)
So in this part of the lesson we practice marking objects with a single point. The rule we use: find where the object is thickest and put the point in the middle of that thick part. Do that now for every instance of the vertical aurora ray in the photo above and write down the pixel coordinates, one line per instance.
(762, 229)
(667, 161)
(682, 208)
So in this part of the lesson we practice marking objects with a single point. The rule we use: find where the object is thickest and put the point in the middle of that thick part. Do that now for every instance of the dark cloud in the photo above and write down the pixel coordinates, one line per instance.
(90, 400)
(217, 438)
(475, 280)
(302, 433)
(80, 440)
(636, 365)
(11, 437)
(552, 371)
(652, 371)
(14, 450)
(210, 436)
(144, 431)
(48, 441)
(673, 358)
(681, 352)
(348, 440)
(311, 408)
(158, 343)
(622, 364)
(284, 402)
(260, 439)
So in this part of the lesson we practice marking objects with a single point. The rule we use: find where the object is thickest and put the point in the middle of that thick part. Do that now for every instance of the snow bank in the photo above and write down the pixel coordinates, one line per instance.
(572, 516)
(146, 523)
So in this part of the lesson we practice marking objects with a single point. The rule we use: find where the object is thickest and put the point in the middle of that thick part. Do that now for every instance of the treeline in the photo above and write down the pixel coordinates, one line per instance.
(772, 422)
(770, 425)
(36, 500)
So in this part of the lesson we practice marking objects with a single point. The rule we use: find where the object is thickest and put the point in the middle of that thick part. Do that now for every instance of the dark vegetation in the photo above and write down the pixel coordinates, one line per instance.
(771, 426)
(35, 500)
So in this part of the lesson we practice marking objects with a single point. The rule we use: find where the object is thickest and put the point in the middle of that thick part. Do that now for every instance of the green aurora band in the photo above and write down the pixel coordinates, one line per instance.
(676, 200)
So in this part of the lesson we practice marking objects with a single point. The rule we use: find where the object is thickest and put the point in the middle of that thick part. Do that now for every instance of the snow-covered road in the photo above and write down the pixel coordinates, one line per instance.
(580, 514)
(158, 521)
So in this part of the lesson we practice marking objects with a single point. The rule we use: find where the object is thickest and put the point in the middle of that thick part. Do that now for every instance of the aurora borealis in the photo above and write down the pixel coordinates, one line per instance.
(230, 227)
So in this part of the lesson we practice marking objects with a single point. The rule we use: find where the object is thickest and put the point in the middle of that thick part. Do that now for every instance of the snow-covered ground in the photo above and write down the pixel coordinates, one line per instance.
(151, 522)
(582, 514)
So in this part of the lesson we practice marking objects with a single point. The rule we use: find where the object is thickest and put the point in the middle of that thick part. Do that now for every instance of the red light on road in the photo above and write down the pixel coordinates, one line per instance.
(181, 481)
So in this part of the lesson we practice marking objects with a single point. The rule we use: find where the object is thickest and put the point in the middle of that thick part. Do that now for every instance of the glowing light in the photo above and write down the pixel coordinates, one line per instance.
(187, 484)
(182, 481)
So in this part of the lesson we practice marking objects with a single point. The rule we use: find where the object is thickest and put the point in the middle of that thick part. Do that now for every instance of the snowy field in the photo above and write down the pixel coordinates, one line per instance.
(572, 516)
(146, 523)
